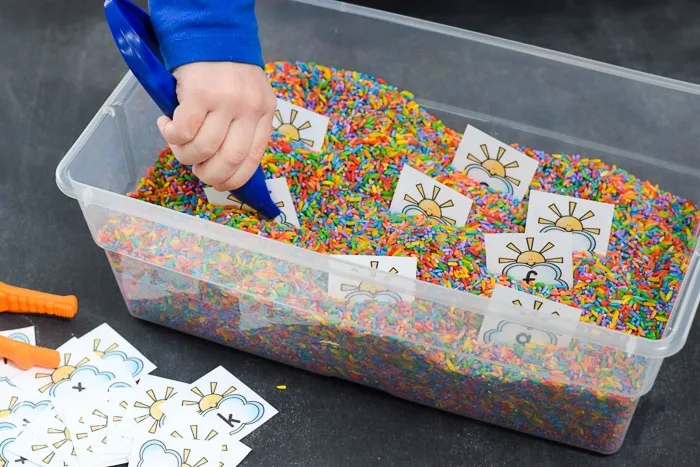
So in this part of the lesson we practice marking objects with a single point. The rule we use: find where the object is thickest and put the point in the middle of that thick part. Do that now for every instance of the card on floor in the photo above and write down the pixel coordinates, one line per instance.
(233, 454)
(7, 457)
(416, 193)
(19, 406)
(52, 431)
(224, 400)
(145, 414)
(588, 221)
(26, 335)
(156, 451)
(300, 124)
(80, 370)
(354, 291)
(27, 445)
(494, 164)
(279, 192)
(110, 346)
(501, 331)
(533, 258)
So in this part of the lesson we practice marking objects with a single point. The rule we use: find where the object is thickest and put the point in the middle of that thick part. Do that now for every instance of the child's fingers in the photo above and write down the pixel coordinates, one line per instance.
(233, 152)
(258, 145)
(186, 122)
(161, 122)
(208, 140)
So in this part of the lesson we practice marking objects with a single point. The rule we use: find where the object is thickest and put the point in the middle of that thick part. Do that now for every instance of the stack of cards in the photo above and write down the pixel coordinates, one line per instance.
(101, 407)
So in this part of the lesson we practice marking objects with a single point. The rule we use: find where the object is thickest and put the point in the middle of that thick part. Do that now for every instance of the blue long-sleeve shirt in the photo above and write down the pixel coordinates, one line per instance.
(206, 30)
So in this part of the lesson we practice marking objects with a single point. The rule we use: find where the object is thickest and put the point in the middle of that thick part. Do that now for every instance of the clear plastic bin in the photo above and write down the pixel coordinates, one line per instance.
(251, 293)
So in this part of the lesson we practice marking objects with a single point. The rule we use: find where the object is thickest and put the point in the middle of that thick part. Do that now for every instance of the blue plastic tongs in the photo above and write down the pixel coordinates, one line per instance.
(137, 42)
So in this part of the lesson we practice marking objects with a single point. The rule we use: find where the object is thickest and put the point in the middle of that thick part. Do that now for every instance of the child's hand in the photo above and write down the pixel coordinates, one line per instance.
(223, 123)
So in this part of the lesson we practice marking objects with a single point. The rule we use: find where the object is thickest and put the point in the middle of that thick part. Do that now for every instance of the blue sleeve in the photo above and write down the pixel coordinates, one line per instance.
(206, 30)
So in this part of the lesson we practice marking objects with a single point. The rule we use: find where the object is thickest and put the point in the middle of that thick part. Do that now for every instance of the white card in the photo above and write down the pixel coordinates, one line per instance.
(354, 291)
(231, 406)
(589, 222)
(300, 124)
(107, 344)
(279, 192)
(29, 446)
(52, 431)
(145, 415)
(503, 332)
(195, 428)
(494, 164)
(117, 405)
(234, 454)
(19, 406)
(416, 193)
(80, 370)
(172, 452)
(7, 457)
(26, 335)
(533, 258)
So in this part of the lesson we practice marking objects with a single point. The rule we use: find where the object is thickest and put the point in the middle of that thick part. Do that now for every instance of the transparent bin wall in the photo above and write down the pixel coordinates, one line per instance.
(269, 298)
(423, 368)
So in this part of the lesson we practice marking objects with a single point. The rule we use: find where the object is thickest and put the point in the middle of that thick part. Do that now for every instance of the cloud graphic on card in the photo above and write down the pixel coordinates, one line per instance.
(237, 412)
(155, 453)
(82, 378)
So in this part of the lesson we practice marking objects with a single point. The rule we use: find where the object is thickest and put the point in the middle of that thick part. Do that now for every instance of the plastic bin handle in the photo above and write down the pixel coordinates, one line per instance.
(136, 40)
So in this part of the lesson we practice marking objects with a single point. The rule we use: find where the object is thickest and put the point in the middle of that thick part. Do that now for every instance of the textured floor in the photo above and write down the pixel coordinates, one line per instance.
(58, 64)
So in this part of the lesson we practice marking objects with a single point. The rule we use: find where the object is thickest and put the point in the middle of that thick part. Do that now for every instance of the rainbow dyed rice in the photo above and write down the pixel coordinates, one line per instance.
(583, 395)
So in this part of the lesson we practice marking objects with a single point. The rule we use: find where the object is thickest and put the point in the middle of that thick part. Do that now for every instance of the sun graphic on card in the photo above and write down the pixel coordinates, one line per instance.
(102, 425)
(531, 263)
(155, 414)
(44, 449)
(63, 438)
(364, 291)
(211, 400)
(290, 130)
(428, 206)
(186, 457)
(62, 373)
(6, 412)
(194, 429)
(571, 223)
(530, 256)
(493, 169)
(535, 306)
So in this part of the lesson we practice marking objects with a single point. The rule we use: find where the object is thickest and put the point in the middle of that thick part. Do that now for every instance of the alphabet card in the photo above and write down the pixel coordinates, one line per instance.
(494, 164)
(79, 370)
(50, 429)
(7, 457)
(28, 447)
(26, 335)
(496, 330)
(416, 193)
(279, 192)
(231, 406)
(533, 258)
(145, 414)
(354, 291)
(300, 124)
(19, 406)
(589, 222)
(108, 345)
